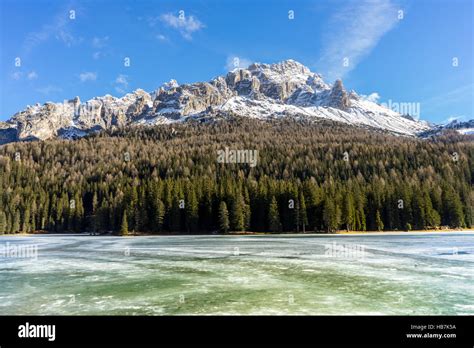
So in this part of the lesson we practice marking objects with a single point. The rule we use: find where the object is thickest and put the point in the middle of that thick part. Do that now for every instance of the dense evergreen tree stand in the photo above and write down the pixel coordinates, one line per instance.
(309, 177)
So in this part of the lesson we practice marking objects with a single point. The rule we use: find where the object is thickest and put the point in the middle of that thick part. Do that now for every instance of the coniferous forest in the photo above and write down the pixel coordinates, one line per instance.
(309, 177)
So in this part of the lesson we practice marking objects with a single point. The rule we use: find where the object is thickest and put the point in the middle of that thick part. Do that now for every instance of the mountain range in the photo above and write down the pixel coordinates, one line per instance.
(264, 91)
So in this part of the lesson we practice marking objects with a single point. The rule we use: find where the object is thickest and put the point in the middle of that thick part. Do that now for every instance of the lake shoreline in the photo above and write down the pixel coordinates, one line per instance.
(237, 234)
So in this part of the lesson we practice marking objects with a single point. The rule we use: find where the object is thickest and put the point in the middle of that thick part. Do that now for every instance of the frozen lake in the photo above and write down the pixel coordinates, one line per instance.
(407, 274)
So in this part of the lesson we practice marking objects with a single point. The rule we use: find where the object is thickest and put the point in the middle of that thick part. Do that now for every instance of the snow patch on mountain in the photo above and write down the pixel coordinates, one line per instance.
(264, 91)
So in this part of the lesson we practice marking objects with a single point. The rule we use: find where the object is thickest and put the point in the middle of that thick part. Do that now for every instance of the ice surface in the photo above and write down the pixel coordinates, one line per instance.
(406, 274)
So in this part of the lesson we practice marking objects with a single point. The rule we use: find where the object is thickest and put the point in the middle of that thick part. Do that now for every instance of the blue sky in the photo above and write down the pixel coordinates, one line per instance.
(396, 50)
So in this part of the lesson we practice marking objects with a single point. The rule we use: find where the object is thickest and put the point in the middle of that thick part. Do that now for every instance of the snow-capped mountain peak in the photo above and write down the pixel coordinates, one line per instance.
(284, 89)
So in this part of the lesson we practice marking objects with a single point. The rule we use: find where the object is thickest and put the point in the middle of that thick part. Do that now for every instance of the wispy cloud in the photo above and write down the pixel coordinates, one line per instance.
(58, 29)
(457, 95)
(32, 75)
(162, 37)
(353, 32)
(235, 62)
(66, 37)
(186, 25)
(87, 76)
(16, 75)
(99, 44)
(121, 83)
(50, 89)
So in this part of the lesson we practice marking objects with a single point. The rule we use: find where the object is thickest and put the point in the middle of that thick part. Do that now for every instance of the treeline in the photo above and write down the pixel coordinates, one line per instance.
(309, 177)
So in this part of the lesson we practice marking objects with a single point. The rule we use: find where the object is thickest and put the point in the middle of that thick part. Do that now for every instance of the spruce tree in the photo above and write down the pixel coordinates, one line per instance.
(16, 222)
(192, 212)
(378, 221)
(297, 216)
(223, 217)
(3, 222)
(175, 214)
(348, 213)
(237, 213)
(274, 223)
(26, 221)
(124, 225)
(159, 215)
(303, 214)
(331, 215)
(453, 212)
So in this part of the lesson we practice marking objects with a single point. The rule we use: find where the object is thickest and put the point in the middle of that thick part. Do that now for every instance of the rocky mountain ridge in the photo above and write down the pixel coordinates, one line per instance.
(285, 89)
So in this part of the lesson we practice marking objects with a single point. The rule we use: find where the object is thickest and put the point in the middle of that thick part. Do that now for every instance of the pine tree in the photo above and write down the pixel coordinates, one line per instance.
(453, 212)
(3, 222)
(102, 220)
(237, 213)
(331, 215)
(34, 212)
(348, 214)
(175, 214)
(303, 214)
(274, 216)
(16, 222)
(223, 217)
(124, 225)
(433, 218)
(297, 216)
(378, 221)
(26, 220)
(9, 224)
(246, 210)
(192, 212)
(419, 210)
(159, 215)
(133, 213)
(95, 203)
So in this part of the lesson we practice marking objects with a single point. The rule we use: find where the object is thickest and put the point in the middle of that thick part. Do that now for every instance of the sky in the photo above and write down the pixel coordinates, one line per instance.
(390, 51)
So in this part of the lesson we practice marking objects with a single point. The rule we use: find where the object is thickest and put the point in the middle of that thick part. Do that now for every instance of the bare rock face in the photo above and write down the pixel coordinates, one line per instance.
(338, 98)
(48, 120)
(43, 122)
(191, 99)
(279, 81)
(283, 89)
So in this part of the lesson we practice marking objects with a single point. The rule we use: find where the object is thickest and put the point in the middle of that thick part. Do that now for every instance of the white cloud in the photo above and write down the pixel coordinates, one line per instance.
(32, 75)
(16, 75)
(87, 76)
(121, 83)
(100, 42)
(58, 29)
(353, 33)
(234, 62)
(49, 89)
(184, 24)
(372, 97)
(161, 37)
(122, 79)
(66, 37)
